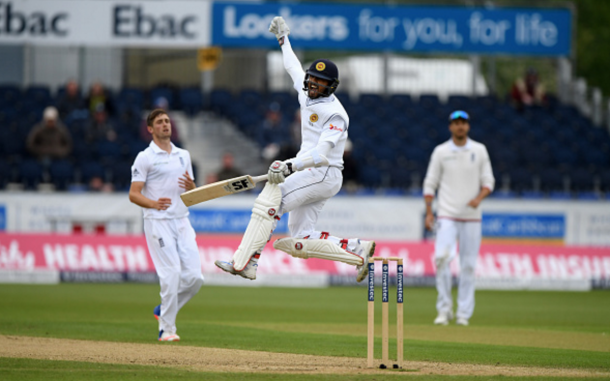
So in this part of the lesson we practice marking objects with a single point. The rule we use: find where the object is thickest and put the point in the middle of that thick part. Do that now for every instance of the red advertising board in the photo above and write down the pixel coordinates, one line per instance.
(130, 254)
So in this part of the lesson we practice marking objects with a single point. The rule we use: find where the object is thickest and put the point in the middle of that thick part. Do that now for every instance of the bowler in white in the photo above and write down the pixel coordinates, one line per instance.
(159, 175)
(461, 172)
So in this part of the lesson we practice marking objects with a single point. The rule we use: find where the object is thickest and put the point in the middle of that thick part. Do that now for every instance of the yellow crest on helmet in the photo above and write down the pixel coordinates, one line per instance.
(320, 66)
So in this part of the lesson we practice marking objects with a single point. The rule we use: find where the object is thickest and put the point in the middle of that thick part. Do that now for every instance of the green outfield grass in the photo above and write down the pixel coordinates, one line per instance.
(542, 329)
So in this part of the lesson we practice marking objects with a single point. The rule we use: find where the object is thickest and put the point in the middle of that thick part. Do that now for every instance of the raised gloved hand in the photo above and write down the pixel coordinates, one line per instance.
(278, 171)
(279, 27)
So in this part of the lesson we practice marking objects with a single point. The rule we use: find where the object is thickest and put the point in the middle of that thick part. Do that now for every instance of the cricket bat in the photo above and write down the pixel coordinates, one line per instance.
(220, 189)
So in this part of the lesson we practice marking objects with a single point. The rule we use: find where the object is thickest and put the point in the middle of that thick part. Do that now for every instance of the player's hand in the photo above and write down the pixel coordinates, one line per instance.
(186, 182)
(279, 27)
(429, 221)
(163, 203)
(278, 171)
(474, 203)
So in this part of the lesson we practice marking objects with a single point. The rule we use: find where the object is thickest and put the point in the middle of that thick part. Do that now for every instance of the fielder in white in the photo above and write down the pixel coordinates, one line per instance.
(159, 175)
(315, 176)
(461, 171)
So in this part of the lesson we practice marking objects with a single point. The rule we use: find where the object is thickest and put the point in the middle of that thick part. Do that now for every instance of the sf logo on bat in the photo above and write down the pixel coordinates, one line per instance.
(239, 185)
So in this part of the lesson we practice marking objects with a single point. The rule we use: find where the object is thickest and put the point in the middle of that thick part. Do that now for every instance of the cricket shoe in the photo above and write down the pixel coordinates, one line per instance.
(157, 312)
(443, 318)
(461, 321)
(166, 336)
(249, 272)
(365, 249)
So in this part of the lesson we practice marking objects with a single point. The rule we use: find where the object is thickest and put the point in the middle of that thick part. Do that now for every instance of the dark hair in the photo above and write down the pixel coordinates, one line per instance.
(153, 115)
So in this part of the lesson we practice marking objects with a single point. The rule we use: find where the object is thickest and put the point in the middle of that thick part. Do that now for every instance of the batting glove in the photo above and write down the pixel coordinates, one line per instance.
(279, 27)
(278, 171)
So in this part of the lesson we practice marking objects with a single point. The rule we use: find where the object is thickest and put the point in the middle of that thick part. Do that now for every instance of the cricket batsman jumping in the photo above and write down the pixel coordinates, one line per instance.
(315, 176)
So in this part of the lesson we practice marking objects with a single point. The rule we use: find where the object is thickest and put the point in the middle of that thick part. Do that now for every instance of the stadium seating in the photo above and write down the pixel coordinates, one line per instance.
(552, 152)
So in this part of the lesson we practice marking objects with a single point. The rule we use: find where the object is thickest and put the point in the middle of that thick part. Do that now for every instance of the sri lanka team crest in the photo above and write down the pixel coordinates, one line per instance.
(314, 117)
(320, 66)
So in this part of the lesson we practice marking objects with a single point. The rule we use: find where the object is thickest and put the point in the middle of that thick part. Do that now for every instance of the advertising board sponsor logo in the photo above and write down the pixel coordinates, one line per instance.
(552, 226)
(2, 217)
(411, 28)
(227, 221)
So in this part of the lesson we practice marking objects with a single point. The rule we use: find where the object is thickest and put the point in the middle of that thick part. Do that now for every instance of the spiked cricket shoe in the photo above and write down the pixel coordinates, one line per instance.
(157, 312)
(165, 336)
(249, 272)
(365, 249)
(443, 318)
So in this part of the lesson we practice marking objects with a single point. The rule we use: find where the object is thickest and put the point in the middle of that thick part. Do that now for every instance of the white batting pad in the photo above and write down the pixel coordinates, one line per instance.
(266, 207)
(316, 248)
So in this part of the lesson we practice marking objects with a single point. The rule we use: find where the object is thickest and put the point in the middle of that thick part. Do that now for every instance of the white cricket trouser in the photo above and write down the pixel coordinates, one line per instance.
(173, 248)
(468, 236)
(304, 194)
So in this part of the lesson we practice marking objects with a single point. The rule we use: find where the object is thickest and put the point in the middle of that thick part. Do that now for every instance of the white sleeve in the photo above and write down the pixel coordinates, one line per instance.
(139, 169)
(293, 65)
(315, 157)
(487, 175)
(433, 174)
(332, 130)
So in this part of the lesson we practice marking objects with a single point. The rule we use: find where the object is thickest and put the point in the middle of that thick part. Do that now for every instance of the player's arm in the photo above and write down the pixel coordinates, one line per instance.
(431, 181)
(136, 196)
(291, 62)
(487, 181)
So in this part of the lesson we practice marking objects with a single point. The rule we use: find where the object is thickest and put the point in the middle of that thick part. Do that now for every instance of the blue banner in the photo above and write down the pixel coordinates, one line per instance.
(550, 226)
(227, 221)
(519, 31)
(2, 218)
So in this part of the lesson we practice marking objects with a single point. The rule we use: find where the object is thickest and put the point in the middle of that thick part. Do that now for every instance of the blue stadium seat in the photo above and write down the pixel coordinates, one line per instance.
(370, 176)
(109, 151)
(91, 169)
(121, 175)
(6, 173)
(520, 179)
(40, 95)
(162, 92)
(370, 101)
(551, 180)
(532, 194)
(581, 179)
(131, 96)
(220, 100)
(30, 174)
(590, 195)
(560, 195)
(191, 100)
(9, 95)
(429, 102)
(62, 174)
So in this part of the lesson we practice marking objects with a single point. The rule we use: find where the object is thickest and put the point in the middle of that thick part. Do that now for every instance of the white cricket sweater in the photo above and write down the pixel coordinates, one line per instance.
(458, 173)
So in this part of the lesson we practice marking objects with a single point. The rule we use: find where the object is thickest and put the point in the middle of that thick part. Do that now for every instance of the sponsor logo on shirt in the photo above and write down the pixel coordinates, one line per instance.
(332, 127)
(161, 243)
(181, 161)
(135, 172)
(161, 163)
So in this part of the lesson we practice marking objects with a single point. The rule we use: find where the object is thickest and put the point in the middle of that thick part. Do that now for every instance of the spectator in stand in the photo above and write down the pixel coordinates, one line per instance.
(163, 104)
(228, 170)
(97, 96)
(99, 127)
(49, 139)
(97, 184)
(528, 91)
(71, 100)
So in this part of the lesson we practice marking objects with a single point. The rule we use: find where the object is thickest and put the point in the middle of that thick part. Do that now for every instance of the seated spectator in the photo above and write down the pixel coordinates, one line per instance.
(163, 104)
(99, 127)
(97, 95)
(49, 139)
(70, 101)
(228, 171)
(273, 129)
(97, 184)
(528, 91)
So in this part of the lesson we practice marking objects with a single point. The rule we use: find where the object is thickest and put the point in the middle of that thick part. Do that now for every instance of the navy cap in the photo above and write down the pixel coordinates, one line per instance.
(458, 115)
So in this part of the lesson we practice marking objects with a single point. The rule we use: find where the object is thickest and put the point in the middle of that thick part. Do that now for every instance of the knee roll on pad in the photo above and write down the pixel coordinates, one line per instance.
(266, 207)
(317, 248)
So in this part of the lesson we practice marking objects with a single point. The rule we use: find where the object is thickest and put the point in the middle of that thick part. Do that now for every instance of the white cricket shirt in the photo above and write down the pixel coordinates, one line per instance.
(160, 172)
(458, 173)
(322, 119)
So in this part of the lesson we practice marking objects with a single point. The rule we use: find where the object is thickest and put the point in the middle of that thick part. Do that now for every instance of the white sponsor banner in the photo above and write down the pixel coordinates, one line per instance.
(582, 223)
(160, 23)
